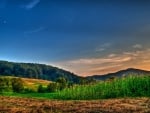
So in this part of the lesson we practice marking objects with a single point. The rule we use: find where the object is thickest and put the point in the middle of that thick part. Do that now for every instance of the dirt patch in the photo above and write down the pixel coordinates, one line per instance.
(27, 105)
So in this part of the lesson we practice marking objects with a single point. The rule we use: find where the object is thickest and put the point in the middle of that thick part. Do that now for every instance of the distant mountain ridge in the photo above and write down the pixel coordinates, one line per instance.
(36, 71)
(121, 73)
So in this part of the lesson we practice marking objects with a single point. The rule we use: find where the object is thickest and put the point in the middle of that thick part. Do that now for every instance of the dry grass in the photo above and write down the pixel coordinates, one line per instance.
(34, 83)
(30, 80)
(26, 105)
(31, 83)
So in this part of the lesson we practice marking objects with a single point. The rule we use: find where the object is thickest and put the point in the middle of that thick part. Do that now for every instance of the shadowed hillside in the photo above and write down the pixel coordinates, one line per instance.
(36, 71)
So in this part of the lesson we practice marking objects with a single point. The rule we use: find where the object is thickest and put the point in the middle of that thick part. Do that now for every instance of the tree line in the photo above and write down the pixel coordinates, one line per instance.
(8, 84)
(12, 84)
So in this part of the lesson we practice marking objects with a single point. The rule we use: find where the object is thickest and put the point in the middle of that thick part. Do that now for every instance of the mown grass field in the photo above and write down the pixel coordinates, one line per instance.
(28, 105)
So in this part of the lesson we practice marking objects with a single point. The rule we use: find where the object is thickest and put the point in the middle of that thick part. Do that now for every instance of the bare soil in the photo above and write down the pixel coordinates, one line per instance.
(28, 105)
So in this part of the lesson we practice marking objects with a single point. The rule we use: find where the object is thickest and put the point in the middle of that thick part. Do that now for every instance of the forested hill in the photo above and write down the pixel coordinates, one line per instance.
(121, 73)
(38, 71)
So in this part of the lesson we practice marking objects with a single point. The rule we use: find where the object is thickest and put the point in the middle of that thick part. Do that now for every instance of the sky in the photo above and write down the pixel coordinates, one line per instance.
(86, 37)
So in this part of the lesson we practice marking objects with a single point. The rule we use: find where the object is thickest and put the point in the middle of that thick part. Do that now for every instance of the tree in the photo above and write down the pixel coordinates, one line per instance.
(41, 89)
(5, 84)
(82, 81)
(52, 87)
(112, 78)
(62, 83)
(2, 85)
(17, 85)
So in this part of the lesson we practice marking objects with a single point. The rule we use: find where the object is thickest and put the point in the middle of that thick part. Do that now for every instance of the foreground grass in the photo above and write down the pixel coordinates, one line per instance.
(30, 95)
(28, 105)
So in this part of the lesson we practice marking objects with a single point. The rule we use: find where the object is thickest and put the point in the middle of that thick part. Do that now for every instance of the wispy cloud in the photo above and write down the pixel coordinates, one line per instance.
(110, 63)
(32, 4)
(103, 47)
(112, 55)
(35, 30)
(137, 46)
(100, 49)
(95, 61)
(105, 69)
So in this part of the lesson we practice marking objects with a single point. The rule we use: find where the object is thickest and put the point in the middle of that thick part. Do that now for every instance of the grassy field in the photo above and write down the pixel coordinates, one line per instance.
(34, 83)
(30, 95)
(131, 86)
(117, 88)
(31, 83)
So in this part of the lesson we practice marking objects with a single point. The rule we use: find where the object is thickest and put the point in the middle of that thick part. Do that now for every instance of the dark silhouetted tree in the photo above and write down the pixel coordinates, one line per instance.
(17, 85)
(41, 89)
(62, 83)
(52, 87)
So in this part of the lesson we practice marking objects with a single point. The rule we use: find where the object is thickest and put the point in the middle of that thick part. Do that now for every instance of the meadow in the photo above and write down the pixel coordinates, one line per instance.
(131, 86)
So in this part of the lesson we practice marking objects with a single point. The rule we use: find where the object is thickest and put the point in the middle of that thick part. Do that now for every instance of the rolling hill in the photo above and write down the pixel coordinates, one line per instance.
(121, 73)
(36, 71)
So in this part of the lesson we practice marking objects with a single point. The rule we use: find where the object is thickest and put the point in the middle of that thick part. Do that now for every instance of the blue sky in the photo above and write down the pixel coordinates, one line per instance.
(86, 37)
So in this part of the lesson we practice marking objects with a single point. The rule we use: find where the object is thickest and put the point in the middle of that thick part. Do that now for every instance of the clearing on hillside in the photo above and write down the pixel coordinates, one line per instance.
(30, 83)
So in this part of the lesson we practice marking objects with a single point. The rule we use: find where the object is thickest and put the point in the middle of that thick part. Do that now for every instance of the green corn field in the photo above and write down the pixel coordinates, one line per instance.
(132, 86)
